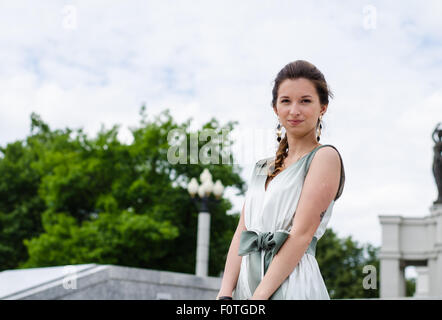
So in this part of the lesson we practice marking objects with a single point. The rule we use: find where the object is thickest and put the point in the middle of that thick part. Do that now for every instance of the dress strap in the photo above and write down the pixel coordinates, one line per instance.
(341, 181)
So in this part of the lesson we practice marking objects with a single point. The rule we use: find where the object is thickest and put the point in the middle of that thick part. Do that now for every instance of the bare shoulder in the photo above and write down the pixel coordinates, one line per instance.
(326, 166)
(328, 156)
(323, 178)
(326, 161)
(320, 187)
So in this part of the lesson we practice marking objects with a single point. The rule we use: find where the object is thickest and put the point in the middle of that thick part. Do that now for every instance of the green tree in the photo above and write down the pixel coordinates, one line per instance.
(342, 261)
(410, 287)
(101, 201)
(20, 204)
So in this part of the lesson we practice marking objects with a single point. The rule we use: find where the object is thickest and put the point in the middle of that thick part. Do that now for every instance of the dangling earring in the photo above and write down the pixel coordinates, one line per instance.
(278, 132)
(318, 129)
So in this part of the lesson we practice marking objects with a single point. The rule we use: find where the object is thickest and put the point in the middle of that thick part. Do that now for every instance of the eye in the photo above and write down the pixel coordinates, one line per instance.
(308, 101)
(284, 100)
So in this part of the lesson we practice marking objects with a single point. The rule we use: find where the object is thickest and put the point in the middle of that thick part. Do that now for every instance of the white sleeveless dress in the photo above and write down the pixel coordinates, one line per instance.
(272, 210)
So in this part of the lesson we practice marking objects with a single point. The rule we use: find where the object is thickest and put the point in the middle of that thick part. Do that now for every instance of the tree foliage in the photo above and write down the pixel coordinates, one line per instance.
(66, 198)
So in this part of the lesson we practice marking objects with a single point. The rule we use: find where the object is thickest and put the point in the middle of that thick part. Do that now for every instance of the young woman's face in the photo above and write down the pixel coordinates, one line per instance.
(298, 100)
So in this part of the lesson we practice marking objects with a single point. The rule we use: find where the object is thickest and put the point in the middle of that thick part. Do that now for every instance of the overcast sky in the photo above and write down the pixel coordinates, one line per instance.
(87, 63)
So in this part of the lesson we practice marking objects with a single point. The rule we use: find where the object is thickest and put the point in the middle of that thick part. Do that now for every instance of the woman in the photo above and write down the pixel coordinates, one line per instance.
(272, 253)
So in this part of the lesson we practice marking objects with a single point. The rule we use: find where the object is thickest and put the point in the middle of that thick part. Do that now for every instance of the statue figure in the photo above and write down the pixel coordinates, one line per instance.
(437, 160)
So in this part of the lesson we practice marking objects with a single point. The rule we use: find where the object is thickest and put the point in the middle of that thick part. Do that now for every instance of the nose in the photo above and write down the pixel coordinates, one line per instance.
(294, 109)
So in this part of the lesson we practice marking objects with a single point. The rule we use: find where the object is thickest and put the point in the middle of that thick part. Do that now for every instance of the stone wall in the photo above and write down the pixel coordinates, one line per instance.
(107, 282)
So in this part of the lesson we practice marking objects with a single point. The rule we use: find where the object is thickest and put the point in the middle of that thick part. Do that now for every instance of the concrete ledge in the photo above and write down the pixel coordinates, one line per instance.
(108, 282)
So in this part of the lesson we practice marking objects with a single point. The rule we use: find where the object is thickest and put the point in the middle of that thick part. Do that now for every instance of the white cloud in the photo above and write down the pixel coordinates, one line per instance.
(219, 58)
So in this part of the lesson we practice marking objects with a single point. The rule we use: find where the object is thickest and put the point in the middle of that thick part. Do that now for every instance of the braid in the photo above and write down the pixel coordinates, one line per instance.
(281, 154)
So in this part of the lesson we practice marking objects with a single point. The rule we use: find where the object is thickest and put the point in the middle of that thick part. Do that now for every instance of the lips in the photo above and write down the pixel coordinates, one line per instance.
(294, 122)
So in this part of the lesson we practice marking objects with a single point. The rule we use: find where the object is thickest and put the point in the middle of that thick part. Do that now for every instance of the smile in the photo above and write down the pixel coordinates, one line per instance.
(294, 123)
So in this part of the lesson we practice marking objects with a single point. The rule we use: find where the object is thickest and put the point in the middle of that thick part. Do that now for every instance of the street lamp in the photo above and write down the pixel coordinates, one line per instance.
(203, 237)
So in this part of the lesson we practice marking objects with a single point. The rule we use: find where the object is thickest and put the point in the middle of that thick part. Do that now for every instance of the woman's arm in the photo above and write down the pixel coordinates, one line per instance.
(233, 261)
(319, 189)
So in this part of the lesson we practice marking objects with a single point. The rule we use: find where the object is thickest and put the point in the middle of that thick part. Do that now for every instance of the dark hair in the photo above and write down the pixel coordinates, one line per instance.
(295, 70)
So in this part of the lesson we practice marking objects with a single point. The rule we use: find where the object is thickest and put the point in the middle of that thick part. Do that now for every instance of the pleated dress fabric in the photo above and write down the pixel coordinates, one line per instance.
(272, 210)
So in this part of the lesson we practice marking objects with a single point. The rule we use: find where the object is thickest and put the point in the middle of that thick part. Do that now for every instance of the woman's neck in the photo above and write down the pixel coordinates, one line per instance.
(299, 147)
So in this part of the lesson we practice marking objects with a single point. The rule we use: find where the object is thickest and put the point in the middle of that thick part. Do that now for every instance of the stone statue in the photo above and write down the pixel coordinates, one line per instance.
(437, 160)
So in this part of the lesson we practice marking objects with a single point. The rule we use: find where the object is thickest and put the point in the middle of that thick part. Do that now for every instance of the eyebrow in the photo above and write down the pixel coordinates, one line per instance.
(301, 97)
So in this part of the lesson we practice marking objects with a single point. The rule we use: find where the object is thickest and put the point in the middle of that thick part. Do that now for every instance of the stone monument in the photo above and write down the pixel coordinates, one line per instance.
(437, 161)
(415, 241)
